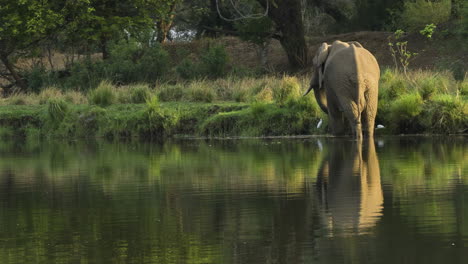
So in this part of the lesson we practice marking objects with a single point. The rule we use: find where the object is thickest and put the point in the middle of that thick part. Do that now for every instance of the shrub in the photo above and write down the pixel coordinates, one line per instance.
(392, 84)
(403, 112)
(19, 99)
(86, 75)
(463, 87)
(265, 95)
(168, 92)
(132, 62)
(57, 108)
(75, 97)
(289, 89)
(240, 94)
(446, 114)
(417, 14)
(214, 61)
(103, 95)
(187, 69)
(139, 93)
(199, 91)
(49, 93)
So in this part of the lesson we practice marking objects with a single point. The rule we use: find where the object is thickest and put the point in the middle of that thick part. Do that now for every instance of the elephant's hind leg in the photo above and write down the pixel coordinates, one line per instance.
(353, 114)
(369, 113)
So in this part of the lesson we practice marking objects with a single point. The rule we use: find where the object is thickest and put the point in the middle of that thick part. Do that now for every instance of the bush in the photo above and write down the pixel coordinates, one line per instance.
(187, 69)
(49, 93)
(38, 77)
(103, 95)
(289, 89)
(417, 14)
(168, 92)
(265, 95)
(214, 61)
(132, 62)
(139, 93)
(86, 75)
(446, 114)
(199, 91)
(392, 84)
(75, 97)
(403, 113)
(57, 108)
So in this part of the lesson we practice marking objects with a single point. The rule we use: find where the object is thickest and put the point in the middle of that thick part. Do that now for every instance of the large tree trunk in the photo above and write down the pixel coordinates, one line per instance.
(288, 19)
(11, 68)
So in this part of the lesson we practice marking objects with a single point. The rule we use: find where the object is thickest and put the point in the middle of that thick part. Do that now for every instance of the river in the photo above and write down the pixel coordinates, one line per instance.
(301, 200)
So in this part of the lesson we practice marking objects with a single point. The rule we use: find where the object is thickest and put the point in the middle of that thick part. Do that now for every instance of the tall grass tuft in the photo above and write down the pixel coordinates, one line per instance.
(201, 91)
(57, 108)
(446, 114)
(288, 89)
(139, 93)
(403, 113)
(167, 92)
(103, 95)
(49, 93)
(392, 84)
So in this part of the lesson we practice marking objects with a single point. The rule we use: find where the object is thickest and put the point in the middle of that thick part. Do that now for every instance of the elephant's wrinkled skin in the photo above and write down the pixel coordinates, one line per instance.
(345, 83)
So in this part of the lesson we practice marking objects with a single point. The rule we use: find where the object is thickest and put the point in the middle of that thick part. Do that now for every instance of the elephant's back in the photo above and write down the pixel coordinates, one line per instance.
(366, 63)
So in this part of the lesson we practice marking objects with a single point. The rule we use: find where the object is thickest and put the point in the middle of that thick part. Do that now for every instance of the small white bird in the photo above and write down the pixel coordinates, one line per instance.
(319, 123)
(380, 126)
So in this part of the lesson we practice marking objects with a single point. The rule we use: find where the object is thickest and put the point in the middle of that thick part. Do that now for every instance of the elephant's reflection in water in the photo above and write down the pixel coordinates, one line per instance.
(348, 187)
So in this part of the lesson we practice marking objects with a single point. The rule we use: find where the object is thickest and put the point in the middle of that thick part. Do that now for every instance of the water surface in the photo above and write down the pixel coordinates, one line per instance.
(395, 200)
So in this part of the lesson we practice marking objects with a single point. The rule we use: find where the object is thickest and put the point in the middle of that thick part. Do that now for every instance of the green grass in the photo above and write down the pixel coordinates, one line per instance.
(103, 95)
(423, 102)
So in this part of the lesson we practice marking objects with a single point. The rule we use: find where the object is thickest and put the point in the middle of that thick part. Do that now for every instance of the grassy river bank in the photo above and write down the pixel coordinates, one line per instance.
(423, 102)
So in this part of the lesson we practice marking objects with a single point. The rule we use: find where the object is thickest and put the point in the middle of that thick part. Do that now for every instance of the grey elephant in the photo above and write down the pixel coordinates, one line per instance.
(346, 83)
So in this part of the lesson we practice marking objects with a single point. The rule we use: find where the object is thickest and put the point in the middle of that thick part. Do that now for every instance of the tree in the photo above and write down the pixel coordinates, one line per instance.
(286, 14)
(24, 23)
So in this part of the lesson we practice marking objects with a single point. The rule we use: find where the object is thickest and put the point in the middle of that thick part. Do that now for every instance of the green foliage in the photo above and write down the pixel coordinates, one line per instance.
(214, 61)
(139, 93)
(432, 85)
(49, 93)
(404, 110)
(168, 92)
(199, 91)
(265, 95)
(152, 105)
(399, 51)
(132, 62)
(446, 114)
(35, 78)
(187, 69)
(416, 14)
(288, 89)
(103, 95)
(428, 30)
(56, 109)
(257, 31)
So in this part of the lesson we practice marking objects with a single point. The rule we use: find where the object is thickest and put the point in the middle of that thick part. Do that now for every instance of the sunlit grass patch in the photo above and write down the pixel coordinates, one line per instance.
(103, 95)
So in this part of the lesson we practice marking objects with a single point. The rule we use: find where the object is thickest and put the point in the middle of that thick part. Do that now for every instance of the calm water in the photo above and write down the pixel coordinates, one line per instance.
(235, 201)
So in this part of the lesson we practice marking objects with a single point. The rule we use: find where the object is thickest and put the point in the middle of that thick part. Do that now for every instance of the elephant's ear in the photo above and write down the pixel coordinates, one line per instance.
(355, 43)
(322, 55)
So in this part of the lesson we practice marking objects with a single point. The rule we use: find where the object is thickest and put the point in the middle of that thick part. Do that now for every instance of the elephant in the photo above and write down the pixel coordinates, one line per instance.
(349, 189)
(346, 83)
